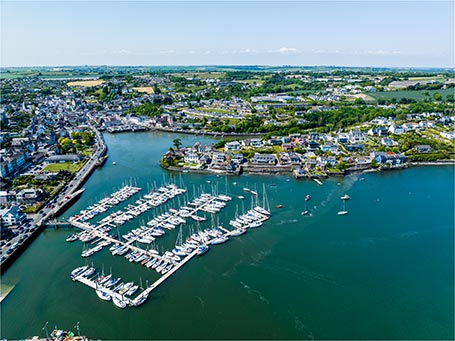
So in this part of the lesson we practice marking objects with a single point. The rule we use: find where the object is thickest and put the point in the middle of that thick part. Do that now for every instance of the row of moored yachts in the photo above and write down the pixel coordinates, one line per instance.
(251, 219)
(108, 287)
(114, 199)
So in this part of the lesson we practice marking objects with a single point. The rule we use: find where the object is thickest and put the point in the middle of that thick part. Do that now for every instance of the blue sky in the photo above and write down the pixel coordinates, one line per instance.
(358, 33)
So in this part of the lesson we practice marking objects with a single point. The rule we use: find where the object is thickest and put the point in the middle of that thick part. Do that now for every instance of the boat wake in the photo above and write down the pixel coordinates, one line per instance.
(255, 292)
(409, 234)
(259, 256)
(300, 326)
(305, 275)
(283, 222)
(201, 301)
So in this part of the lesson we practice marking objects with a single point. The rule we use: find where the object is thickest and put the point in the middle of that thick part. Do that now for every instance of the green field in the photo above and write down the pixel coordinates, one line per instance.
(220, 111)
(418, 95)
(68, 166)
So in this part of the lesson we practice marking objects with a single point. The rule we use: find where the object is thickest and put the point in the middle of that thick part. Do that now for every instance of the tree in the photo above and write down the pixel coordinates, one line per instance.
(437, 96)
(177, 143)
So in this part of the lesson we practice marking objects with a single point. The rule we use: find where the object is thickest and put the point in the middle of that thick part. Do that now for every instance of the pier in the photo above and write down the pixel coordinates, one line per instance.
(94, 285)
(100, 233)
(169, 262)
(162, 279)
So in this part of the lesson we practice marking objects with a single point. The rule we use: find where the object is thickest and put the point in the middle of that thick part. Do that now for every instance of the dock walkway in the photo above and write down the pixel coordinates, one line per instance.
(110, 292)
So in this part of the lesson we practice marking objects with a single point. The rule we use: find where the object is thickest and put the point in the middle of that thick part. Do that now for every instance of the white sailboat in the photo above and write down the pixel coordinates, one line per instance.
(119, 302)
(305, 211)
(343, 212)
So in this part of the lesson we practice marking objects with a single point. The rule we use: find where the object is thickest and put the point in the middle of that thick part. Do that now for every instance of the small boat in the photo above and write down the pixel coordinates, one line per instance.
(141, 300)
(103, 295)
(112, 282)
(308, 197)
(255, 224)
(234, 183)
(246, 189)
(241, 197)
(202, 249)
(72, 238)
(343, 211)
(238, 232)
(254, 192)
(304, 213)
(76, 272)
(279, 206)
(114, 163)
(345, 197)
(220, 240)
(119, 302)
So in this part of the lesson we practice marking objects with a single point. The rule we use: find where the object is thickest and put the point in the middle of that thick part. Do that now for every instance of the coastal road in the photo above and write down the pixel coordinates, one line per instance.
(46, 213)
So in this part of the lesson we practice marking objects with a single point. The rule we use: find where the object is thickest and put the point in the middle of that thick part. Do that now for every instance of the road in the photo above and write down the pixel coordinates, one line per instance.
(36, 220)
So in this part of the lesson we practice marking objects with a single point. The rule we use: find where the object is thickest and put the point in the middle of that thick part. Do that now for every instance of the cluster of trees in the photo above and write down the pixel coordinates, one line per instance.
(278, 83)
(146, 109)
(76, 142)
(429, 86)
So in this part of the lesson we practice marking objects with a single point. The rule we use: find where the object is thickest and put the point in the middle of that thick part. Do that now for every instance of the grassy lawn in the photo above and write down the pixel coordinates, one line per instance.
(221, 111)
(87, 152)
(435, 78)
(68, 166)
(418, 95)
(252, 81)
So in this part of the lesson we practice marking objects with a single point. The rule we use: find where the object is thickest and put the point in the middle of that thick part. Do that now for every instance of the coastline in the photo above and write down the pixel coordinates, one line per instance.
(205, 133)
(285, 170)
(433, 163)
(41, 217)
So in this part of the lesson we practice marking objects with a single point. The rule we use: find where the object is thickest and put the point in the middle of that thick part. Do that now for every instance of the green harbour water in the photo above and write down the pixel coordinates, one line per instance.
(384, 271)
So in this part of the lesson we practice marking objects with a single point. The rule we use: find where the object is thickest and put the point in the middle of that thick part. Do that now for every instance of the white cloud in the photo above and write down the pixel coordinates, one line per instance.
(167, 52)
(319, 51)
(247, 51)
(287, 50)
(123, 51)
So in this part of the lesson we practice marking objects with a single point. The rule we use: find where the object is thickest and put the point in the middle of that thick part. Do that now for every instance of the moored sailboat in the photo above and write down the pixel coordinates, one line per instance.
(343, 211)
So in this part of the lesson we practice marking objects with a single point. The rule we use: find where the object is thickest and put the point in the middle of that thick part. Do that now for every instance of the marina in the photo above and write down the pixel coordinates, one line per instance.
(168, 262)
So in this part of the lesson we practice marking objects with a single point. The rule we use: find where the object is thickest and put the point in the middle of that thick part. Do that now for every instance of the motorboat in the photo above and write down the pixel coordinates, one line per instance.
(119, 302)
(103, 295)
(220, 240)
(202, 249)
(72, 238)
(76, 272)
(238, 232)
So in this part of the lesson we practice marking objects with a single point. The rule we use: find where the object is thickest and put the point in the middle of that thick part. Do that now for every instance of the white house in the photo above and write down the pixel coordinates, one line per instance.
(256, 143)
(356, 136)
(232, 146)
(388, 142)
(191, 158)
(396, 129)
(448, 135)
(12, 216)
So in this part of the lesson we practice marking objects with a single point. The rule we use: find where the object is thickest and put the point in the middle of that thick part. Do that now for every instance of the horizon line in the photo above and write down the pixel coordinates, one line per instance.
(227, 65)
